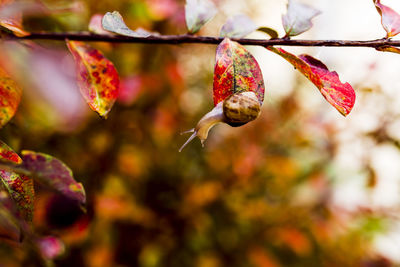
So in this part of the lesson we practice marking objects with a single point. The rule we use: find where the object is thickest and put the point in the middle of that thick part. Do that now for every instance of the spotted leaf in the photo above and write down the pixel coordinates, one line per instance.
(54, 173)
(98, 79)
(10, 96)
(236, 70)
(20, 187)
(339, 95)
(8, 155)
(390, 19)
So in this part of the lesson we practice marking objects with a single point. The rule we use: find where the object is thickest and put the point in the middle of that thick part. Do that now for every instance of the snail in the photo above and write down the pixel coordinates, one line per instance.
(238, 90)
(236, 110)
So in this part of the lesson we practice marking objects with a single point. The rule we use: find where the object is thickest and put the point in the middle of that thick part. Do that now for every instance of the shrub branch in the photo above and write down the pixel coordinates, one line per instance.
(186, 39)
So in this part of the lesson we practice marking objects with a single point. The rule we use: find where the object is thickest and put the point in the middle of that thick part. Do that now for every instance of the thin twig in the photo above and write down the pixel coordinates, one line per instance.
(184, 39)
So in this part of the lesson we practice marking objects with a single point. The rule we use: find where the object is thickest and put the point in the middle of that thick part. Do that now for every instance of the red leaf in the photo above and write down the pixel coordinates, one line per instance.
(10, 96)
(390, 19)
(236, 70)
(7, 154)
(54, 173)
(97, 77)
(339, 95)
(20, 187)
(21, 190)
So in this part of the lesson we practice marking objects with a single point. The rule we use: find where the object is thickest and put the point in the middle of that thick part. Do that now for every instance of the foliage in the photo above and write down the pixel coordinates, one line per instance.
(258, 195)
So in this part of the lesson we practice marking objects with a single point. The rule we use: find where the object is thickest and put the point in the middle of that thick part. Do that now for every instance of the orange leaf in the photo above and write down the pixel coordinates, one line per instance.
(98, 79)
(10, 96)
(11, 20)
(389, 49)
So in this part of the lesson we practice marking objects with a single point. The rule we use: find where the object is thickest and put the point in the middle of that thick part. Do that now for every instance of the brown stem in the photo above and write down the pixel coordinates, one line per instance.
(183, 39)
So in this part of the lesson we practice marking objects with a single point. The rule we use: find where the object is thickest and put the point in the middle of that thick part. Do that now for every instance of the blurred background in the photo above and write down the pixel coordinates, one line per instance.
(300, 186)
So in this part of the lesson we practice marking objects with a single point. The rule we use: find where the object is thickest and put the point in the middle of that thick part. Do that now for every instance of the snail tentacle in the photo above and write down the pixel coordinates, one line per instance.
(213, 117)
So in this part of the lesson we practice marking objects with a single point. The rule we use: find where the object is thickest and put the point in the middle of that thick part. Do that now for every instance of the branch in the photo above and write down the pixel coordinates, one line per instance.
(184, 39)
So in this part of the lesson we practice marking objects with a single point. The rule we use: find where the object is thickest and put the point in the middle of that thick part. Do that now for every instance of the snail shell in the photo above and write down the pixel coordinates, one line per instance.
(241, 108)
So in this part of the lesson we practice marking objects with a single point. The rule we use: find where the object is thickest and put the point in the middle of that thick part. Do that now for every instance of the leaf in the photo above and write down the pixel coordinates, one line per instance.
(237, 27)
(390, 19)
(10, 96)
(9, 224)
(13, 25)
(298, 18)
(236, 70)
(21, 191)
(11, 20)
(8, 155)
(198, 13)
(114, 22)
(271, 32)
(389, 49)
(54, 173)
(20, 187)
(95, 24)
(97, 77)
(339, 95)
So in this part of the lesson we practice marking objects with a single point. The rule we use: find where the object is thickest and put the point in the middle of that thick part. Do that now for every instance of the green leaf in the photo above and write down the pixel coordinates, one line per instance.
(198, 13)
(271, 32)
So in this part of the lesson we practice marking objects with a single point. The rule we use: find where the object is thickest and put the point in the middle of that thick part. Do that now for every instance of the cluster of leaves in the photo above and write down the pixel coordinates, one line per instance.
(238, 202)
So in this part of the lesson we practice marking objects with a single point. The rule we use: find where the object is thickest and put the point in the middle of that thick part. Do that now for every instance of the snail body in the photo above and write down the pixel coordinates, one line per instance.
(236, 110)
